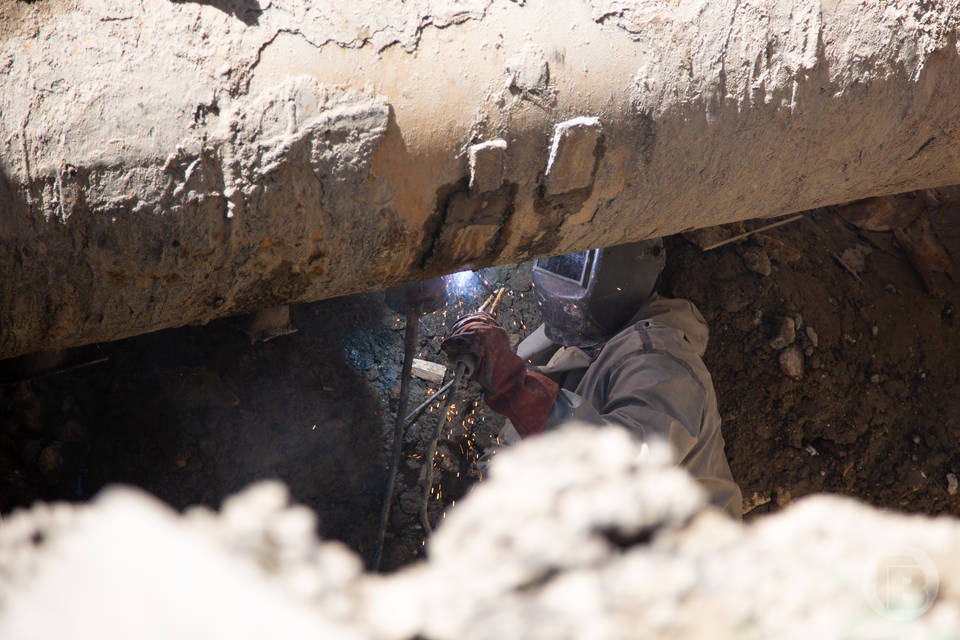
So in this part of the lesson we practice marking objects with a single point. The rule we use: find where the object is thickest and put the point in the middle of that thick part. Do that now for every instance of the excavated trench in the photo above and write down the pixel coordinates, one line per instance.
(173, 164)
(871, 410)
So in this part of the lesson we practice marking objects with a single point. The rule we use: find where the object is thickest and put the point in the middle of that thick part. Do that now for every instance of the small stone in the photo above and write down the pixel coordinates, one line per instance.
(756, 500)
(812, 336)
(757, 260)
(786, 334)
(854, 258)
(889, 287)
(791, 362)
(51, 458)
(798, 321)
(874, 330)
(734, 303)
(875, 378)
(73, 431)
(811, 450)
(410, 501)
(952, 484)
(373, 374)
(782, 497)
(916, 439)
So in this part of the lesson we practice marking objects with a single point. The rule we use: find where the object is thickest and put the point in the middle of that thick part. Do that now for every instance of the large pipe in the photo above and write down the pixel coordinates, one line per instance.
(166, 163)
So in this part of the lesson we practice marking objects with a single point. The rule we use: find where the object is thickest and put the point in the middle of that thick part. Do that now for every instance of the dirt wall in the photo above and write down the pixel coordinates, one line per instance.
(167, 163)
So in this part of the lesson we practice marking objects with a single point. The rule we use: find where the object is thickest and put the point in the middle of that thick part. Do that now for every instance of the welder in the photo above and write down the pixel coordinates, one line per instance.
(609, 351)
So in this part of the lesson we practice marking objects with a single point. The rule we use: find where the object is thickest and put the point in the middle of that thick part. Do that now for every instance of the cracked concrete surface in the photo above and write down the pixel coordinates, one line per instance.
(166, 163)
(582, 533)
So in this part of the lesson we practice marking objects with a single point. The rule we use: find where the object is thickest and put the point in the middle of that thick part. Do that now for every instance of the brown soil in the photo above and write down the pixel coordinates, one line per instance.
(876, 414)
(194, 414)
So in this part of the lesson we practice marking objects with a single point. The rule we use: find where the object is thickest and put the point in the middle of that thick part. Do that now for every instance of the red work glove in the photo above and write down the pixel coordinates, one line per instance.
(523, 396)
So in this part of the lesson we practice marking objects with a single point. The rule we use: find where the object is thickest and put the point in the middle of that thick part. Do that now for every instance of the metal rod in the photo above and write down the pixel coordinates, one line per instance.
(487, 301)
(413, 415)
(410, 342)
(767, 227)
(494, 298)
(496, 301)
(432, 449)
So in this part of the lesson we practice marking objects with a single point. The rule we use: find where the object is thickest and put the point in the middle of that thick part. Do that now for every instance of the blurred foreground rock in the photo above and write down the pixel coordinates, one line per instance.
(578, 534)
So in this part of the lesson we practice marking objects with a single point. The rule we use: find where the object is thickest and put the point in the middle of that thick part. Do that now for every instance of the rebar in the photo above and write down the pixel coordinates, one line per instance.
(410, 342)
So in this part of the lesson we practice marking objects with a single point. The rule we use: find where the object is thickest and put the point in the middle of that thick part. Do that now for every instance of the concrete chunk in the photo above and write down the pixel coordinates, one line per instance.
(572, 151)
(486, 165)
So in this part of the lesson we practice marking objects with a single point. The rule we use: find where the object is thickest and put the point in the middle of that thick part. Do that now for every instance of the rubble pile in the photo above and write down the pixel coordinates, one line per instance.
(581, 533)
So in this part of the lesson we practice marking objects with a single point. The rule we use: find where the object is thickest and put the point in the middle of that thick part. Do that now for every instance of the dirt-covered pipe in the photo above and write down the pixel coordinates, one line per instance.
(166, 163)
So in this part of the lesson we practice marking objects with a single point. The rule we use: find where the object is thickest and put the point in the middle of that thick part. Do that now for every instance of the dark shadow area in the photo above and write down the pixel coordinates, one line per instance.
(195, 414)
(247, 11)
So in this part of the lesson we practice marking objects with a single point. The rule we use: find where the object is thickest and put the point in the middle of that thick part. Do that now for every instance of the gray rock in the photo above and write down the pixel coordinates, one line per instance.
(855, 256)
(791, 362)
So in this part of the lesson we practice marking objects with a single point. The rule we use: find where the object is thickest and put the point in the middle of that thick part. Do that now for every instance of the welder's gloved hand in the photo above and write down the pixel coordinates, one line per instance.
(525, 397)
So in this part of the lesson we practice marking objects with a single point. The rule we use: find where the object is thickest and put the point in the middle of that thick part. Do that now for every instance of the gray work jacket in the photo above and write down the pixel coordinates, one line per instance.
(649, 378)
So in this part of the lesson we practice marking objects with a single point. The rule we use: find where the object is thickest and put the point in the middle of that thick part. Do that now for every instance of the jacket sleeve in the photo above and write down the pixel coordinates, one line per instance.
(654, 395)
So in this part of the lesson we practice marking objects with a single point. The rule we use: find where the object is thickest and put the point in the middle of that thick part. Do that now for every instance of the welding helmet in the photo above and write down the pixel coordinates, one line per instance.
(587, 297)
